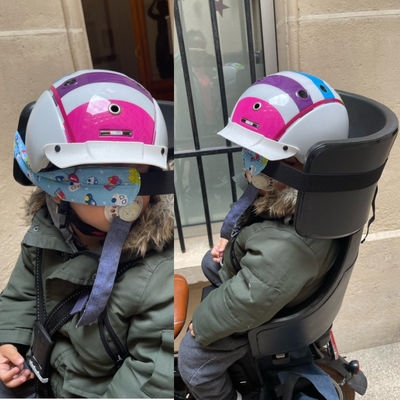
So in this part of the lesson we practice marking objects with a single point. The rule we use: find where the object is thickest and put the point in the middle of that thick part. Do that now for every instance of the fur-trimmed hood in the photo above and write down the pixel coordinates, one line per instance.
(278, 201)
(152, 231)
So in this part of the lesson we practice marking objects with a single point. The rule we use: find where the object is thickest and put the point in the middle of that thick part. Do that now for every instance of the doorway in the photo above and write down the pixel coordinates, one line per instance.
(132, 37)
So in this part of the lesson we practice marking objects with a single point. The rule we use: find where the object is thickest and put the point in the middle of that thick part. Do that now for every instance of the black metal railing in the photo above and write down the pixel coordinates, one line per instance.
(198, 153)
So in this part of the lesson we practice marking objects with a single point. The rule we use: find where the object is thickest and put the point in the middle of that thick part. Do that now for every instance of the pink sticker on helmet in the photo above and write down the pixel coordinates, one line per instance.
(259, 116)
(110, 120)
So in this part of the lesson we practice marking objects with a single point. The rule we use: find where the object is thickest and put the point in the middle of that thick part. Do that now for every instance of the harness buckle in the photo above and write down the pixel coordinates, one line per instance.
(41, 348)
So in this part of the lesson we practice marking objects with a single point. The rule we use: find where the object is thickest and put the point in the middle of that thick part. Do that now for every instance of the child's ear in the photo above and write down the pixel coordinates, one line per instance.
(56, 199)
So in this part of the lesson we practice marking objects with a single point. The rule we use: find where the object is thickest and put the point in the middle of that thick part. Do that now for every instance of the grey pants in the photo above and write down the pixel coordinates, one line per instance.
(204, 369)
(210, 269)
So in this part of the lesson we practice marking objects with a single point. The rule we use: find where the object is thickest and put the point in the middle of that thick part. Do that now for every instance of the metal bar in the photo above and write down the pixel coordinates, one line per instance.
(221, 81)
(270, 43)
(262, 37)
(250, 40)
(276, 36)
(179, 225)
(206, 152)
(192, 114)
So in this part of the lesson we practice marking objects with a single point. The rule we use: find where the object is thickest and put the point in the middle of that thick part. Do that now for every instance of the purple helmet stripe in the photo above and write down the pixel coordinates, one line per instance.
(94, 77)
(289, 86)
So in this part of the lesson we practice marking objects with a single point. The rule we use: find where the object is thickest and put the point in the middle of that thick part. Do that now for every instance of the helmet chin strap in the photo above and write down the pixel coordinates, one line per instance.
(59, 214)
(92, 305)
(248, 196)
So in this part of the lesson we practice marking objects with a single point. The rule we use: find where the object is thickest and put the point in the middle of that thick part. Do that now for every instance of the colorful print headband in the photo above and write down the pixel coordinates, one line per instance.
(97, 186)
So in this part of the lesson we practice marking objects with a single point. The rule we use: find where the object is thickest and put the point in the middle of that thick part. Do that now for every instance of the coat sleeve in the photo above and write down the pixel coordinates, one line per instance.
(274, 268)
(148, 372)
(17, 301)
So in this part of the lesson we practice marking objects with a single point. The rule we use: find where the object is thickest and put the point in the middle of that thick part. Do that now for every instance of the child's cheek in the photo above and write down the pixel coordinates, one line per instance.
(92, 215)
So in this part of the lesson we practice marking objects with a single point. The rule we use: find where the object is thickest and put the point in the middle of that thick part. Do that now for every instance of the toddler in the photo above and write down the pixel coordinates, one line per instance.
(88, 309)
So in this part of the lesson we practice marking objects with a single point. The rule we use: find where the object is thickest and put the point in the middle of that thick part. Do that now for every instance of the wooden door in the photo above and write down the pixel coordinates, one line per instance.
(154, 48)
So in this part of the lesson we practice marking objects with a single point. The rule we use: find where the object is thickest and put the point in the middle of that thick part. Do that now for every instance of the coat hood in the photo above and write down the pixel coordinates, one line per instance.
(278, 201)
(152, 231)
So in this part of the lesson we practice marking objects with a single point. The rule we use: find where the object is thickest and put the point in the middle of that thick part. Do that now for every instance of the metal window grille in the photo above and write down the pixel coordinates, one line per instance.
(225, 151)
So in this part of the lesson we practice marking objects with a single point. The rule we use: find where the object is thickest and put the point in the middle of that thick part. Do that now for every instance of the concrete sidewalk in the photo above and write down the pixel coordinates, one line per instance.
(381, 367)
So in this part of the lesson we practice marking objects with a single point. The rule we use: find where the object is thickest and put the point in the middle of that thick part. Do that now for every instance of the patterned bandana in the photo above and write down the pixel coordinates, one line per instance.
(253, 162)
(93, 185)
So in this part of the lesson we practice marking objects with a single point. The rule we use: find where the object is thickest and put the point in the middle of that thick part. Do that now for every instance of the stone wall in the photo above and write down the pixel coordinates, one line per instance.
(40, 41)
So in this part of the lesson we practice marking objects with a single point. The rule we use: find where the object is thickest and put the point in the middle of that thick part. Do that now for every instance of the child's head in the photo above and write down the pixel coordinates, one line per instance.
(92, 143)
(280, 118)
(90, 140)
(285, 115)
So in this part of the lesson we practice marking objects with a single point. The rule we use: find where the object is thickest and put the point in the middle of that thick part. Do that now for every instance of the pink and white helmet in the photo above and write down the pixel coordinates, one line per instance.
(96, 117)
(285, 114)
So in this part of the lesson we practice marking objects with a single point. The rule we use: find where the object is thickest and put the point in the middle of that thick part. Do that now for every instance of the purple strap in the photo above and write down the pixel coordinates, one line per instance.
(105, 276)
(248, 196)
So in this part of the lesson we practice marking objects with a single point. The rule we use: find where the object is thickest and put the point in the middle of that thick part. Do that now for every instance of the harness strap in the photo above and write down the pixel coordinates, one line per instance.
(372, 219)
(309, 182)
(47, 325)
(247, 198)
(41, 313)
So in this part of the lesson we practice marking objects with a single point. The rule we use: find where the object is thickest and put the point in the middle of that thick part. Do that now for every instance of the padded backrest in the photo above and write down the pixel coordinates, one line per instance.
(373, 128)
(297, 328)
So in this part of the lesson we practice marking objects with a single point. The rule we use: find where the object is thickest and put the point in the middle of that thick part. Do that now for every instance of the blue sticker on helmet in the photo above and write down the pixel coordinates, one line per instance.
(253, 162)
(320, 84)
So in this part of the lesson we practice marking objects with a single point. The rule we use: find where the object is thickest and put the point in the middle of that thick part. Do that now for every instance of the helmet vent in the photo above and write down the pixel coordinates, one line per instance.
(302, 93)
(248, 122)
(70, 82)
(256, 106)
(114, 109)
(323, 88)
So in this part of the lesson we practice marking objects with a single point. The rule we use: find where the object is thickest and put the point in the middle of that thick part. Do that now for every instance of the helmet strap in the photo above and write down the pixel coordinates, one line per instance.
(83, 227)
(247, 198)
(59, 214)
(63, 209)
(93, 305)
(312, 182)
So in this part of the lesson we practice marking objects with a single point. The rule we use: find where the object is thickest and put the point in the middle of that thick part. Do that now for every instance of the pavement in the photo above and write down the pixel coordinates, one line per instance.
(381, 366)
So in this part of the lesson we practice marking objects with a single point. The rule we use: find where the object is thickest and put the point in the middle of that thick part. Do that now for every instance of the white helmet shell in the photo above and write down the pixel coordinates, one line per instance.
(285, 114)
(96, 117)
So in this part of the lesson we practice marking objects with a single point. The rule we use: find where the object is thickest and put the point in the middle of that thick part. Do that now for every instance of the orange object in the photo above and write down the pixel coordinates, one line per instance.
(181, 295)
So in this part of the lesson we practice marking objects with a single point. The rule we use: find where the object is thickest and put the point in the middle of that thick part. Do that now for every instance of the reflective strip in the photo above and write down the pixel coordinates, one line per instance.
(312, 90)
(290, 86)
(328, 94)
(96, 77)
(108, 92)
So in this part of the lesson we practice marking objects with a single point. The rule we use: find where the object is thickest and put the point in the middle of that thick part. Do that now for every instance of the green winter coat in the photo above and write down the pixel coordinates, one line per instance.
(140, 310)
(278, 268)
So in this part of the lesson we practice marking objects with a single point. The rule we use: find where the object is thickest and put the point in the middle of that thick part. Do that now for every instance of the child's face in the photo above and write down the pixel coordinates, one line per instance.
(95, 215)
